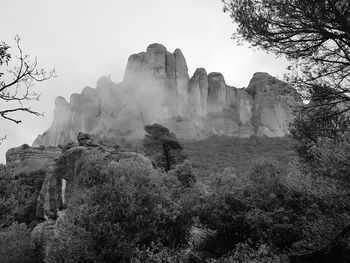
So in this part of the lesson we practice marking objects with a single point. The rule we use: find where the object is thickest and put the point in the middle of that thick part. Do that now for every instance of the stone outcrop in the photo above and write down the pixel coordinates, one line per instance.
(156, 88)
(78, 167)
(273, 102)
(216, 92)
(74, 167)
(198, 91)
(42, 233)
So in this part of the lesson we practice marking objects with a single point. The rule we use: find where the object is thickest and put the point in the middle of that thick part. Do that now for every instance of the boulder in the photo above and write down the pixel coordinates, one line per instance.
(42, 233)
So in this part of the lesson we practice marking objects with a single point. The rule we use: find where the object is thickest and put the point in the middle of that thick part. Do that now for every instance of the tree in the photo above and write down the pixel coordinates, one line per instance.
(315, 37)
(17, 82)
(313, 34)
(162, 146)
(185, 174)
(15, 245)
(113, 213)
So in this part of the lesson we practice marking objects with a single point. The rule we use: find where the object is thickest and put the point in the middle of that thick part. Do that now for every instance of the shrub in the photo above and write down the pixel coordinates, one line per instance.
(215, 153)
(185, 174)
(243, 253)
(15, 245)
(18, 197)
(156, 254)
(109, 220)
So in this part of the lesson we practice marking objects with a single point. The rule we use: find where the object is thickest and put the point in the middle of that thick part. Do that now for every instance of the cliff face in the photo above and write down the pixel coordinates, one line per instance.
(157, 88)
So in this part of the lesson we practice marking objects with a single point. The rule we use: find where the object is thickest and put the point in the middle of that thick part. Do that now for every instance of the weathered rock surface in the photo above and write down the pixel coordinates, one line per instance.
(157, 89)
(272, 104)
(198, 90)
(74, 166)
(42, 233)
(216, 93)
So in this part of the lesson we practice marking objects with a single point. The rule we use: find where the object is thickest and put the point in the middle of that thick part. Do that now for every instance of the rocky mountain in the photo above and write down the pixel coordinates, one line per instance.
(158, 89)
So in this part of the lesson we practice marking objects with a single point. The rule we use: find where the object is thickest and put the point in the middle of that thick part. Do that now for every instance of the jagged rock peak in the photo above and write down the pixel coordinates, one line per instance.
(216, 75)
(156, 88)
(263, 83)
(75, 100)
(181, 65)
(200, 72)
(261, 74)
(156, 48)
(105, 82)
(217, 92)
(61, 102)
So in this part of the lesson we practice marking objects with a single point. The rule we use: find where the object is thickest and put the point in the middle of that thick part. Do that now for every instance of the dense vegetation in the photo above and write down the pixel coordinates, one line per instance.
(216, 153)
(244, 200)
(18, 196)
(248, 200)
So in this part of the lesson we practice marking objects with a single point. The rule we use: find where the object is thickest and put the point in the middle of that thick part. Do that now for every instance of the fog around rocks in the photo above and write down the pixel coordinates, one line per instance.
(156, 88)
(94, 39)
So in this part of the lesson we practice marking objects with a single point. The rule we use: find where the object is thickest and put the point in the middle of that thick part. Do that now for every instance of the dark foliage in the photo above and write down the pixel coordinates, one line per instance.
(162, 146)
(16, 247)
(112, 214)
(19, 195)
(316, 33)
(216, 153)
(315, 36)
(185, 174)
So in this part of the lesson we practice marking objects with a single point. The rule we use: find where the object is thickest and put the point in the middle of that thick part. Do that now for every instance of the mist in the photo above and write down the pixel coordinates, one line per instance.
(84, 40)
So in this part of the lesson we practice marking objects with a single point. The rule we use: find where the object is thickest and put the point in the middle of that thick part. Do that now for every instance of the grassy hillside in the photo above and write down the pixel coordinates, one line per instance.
(218, 152)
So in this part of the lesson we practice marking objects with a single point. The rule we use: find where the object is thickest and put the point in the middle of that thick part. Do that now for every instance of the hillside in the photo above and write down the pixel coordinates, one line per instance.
(216, 153)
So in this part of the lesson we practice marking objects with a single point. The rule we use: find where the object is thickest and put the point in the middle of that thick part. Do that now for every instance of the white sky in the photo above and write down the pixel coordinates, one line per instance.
(85, 39)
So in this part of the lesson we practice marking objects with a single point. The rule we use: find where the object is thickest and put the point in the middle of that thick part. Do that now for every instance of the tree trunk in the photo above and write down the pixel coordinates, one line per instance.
(167, 157)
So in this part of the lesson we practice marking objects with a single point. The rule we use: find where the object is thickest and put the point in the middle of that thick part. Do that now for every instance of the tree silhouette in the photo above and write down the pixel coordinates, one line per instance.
(162, 146)
(313, 35)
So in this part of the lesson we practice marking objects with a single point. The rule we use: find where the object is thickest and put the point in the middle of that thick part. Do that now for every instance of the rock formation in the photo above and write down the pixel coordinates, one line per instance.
(157, 89)
(76, 163)
(272, 105)
(68, 170)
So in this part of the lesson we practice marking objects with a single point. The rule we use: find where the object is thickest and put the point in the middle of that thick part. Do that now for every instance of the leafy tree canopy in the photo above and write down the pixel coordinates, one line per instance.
(314, 34)
(162, 146)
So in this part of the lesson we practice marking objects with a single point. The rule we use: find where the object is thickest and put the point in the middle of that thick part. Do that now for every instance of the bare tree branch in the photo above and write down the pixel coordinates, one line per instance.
(21, 78)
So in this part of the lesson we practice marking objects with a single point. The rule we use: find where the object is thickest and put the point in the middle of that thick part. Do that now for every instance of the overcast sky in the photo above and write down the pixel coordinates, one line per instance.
(85, 39)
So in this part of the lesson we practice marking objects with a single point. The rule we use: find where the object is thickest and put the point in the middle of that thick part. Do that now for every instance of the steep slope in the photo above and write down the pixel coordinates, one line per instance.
(157, 88)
